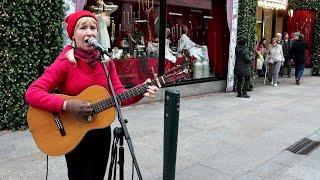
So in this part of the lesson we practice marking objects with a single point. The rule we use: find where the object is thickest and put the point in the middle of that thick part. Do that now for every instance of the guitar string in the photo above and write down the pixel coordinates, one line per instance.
(107, 103)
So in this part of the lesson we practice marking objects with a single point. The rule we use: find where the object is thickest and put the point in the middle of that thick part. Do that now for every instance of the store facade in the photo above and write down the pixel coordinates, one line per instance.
(153, 36)
(277, 16)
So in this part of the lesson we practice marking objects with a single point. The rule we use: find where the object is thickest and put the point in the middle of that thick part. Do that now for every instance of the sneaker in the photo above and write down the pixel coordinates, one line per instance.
(275, 85)
(271, 83)
(297, 82)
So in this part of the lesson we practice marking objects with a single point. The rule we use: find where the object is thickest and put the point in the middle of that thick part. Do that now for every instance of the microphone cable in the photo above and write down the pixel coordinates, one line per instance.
(47, 167)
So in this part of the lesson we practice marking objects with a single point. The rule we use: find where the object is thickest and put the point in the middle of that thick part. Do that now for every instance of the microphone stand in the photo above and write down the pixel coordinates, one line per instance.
(122, 121)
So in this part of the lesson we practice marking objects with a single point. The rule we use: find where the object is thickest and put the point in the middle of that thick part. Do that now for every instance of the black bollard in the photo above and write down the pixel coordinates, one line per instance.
(171, 124)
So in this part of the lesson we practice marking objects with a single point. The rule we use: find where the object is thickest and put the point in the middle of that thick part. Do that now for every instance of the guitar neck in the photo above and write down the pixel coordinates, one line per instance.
(174, 74)
(132, 92)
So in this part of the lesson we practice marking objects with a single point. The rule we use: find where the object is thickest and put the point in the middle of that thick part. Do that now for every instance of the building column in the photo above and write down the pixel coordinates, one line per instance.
(232, 44)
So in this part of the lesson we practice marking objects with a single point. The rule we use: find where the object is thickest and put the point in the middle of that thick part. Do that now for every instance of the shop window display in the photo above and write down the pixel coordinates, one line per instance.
(188, 21)
(130, 30)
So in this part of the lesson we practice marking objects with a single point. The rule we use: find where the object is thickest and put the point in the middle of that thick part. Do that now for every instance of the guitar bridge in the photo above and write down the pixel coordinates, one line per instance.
(59, 124)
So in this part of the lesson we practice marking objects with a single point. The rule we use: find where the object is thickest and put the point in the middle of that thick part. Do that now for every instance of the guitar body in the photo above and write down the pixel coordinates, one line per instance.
(45, 131)
(54, 142)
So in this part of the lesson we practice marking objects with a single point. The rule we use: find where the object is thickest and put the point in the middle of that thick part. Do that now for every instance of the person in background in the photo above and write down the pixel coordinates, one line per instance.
(242, 67)
(286, 48)
(75, 69)
(279, 41)
(295, 36)
(299, 48)
(275, 59)
(260, 56)
(279, 38)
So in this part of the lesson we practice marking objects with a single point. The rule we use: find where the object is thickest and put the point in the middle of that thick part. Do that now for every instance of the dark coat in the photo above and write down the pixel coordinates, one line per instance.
(286, 48)
(299, 51)
(243, 61)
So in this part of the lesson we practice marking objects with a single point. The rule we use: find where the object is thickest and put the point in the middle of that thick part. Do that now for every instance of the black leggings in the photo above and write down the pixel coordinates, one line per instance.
(88, 161)
(240, 80)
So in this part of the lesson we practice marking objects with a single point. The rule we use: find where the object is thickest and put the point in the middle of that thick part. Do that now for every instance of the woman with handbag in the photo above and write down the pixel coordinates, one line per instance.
(260, 56)
(275, 60)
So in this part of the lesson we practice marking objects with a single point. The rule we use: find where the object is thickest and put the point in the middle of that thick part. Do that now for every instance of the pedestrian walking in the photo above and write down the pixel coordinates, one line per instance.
(286, 44)
(260, 56)
(275, 59)
(299, 56)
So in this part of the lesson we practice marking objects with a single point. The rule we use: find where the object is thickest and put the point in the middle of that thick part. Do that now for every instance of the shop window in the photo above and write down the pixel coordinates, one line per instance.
(131, 32)
(187, 33)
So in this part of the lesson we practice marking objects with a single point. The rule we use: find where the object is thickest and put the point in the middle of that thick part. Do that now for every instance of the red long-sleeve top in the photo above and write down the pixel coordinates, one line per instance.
(71, 79)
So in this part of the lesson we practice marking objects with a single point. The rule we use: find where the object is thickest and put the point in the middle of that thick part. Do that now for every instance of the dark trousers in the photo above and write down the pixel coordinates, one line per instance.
(88, 161)
(299, 71)
(242, 89)
(288, 64)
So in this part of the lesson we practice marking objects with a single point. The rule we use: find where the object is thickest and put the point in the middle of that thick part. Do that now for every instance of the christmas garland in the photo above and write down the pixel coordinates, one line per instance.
(304, 4)
(31, 37)
(247, 27)
(316, 47)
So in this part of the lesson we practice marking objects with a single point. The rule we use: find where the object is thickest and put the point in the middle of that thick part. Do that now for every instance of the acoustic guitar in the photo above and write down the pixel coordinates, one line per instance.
(57, 134)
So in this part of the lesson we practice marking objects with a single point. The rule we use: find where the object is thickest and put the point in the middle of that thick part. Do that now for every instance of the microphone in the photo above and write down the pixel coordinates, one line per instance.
(93, 42)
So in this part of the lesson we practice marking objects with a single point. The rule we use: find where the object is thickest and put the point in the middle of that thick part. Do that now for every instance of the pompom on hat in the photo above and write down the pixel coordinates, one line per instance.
(73, 18)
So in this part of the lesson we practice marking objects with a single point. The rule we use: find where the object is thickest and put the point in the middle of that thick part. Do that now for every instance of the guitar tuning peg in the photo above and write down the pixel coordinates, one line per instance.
(154, 74)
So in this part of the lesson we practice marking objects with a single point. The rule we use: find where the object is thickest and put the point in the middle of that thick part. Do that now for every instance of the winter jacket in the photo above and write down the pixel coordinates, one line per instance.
(275, 54)
(243, 61)
(299, 51)
(286, 48)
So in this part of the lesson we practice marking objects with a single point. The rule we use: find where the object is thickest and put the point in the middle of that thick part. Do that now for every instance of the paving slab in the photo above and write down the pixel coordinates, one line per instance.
(220, 137)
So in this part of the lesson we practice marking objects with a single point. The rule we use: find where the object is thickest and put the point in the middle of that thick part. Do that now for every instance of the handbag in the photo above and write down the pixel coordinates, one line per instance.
(260, 61)
(269, 59)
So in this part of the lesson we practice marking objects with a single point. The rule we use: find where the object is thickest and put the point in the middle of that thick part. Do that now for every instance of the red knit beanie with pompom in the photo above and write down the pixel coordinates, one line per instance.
(73, 18)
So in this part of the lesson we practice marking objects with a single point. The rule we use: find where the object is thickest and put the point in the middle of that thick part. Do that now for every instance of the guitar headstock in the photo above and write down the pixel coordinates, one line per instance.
(176, 74)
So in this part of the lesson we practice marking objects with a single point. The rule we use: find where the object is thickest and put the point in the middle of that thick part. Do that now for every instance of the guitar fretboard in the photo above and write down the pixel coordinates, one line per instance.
(175, 73)
(135, 91)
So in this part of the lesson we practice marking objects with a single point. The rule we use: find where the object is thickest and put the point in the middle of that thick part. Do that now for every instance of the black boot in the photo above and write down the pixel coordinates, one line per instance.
(239, 91)
(245, 89)
(239, 82)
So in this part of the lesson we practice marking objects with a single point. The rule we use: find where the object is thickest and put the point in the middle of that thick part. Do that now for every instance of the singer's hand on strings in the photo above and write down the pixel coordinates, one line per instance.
(80, 109)
(151, 89)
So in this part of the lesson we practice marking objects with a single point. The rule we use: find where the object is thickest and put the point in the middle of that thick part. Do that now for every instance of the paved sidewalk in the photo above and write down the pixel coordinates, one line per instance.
(221, 137)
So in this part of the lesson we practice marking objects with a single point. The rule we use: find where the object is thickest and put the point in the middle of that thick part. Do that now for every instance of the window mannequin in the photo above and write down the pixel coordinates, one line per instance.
(168, 52)
(195, 50)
